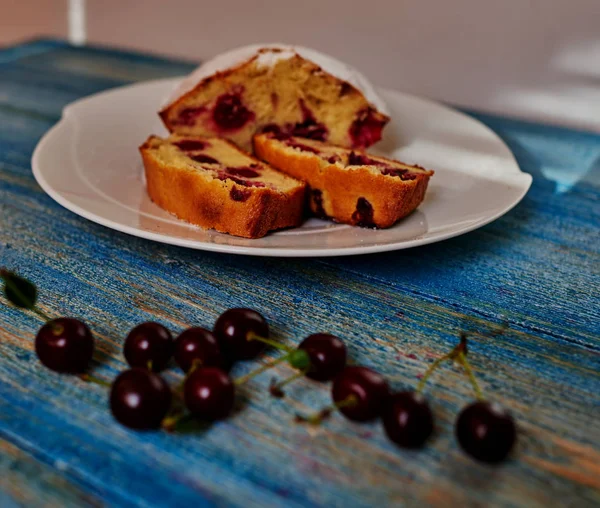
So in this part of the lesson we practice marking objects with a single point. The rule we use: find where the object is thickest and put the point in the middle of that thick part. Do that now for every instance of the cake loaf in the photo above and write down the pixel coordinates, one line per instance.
(275, 90)
(213, 184)
(348, 186)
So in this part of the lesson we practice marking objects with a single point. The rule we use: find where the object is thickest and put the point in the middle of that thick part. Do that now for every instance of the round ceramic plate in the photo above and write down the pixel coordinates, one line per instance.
(89, 163)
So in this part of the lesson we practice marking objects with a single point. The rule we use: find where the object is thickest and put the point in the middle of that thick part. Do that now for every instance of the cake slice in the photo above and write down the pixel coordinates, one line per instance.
(348, 186)
(213, 184)
(275, 89)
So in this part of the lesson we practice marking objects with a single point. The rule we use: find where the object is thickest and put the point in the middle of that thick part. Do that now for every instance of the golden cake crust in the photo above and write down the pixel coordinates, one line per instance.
(357, 196)
(208, 203)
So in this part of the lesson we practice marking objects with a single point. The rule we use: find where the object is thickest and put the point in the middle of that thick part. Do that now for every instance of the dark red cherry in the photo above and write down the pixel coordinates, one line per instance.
(238, 194)
(366, 129)
(234, 330)
(302, 146)
(140, 399)
(359, 159)
(188, 145)
(65, 345)
(209, 393)
(275, 131)
(188, 116)
(204, 159)
(363, 215)
(407, 419)
(197, 345)
(230, 113)
(360, 393)
(486, 431)
(244, 172)
(327, 354)
(403, 174)
(149, 344)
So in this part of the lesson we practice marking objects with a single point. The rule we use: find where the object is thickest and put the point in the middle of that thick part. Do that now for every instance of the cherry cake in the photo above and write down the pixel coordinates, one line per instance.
(348, 186)
(213, 184)
(276, 90)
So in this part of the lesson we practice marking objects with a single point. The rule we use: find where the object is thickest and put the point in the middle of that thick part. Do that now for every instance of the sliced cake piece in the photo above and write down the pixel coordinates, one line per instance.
(347, 186)
(274, 89)
(212, 183)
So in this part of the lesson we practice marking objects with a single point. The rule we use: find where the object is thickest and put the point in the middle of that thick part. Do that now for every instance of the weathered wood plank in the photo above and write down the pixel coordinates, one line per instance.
(537, 267)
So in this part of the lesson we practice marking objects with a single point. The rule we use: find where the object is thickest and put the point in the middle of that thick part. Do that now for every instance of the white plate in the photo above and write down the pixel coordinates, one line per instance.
(89, 163)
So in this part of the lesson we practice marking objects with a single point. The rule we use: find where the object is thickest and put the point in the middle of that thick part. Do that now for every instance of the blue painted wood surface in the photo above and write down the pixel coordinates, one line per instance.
(537, 267)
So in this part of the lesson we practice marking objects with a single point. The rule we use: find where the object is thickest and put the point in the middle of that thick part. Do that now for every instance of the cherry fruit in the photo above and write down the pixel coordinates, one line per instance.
(360, 393)
(140, 399)
(209, 393)
(149, 345)
(197, 346)
(486, 431)
(235, 330)
(407, 419)
(327, 355)
(65, 345)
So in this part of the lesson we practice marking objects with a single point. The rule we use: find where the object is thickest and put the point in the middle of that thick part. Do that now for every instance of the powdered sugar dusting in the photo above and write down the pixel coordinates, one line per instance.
(268, 55)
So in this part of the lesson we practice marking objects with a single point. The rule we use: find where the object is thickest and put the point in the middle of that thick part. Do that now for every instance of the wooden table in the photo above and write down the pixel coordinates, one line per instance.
(537, 267)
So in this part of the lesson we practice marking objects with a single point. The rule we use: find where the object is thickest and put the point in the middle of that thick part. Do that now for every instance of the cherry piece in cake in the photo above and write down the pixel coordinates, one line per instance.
(230, 113)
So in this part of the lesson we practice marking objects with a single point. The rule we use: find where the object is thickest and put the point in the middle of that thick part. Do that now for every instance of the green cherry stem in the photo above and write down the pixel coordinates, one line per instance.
(178, 390)
(270, 342)
(275, 389)
(90, 378)
(459, 354)
(170, 423)
(462, 359)
(178, 414)
(242, 379)
(432, 368)
(317, 418)
(290, 379)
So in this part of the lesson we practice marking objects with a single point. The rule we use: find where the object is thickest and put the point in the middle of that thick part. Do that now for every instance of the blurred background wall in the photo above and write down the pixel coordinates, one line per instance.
(537, 59)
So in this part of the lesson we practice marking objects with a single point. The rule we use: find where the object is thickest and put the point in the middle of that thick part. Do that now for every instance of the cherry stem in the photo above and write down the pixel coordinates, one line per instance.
(317, 418)
(170, 423)
(89, 378)
(458, 353)
(270, 342)
(291, 379)
(462, 359)
(241, 380)
(196, 364)
(431, 370)
(15, 289)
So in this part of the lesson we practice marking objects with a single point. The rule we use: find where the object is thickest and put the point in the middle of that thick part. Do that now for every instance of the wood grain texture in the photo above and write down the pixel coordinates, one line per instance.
(537, 267)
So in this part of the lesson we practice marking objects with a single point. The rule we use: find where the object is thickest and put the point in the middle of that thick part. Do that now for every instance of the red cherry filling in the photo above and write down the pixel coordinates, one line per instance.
(238, 194)
(366, 129)
(207, 159)
(333, 159)
(244, 171)
(188, 116)
(355, 159)
(363, 215)
(404, 174)
(225, 175)
(358, 159)
(275, 131)
(230, 113)
(309, 127)
(302, 146)
(188, 145)
(317, 199)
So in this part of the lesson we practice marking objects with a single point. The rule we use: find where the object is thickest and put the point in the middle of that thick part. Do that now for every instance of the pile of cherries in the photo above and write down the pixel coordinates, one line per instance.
(141, 399)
